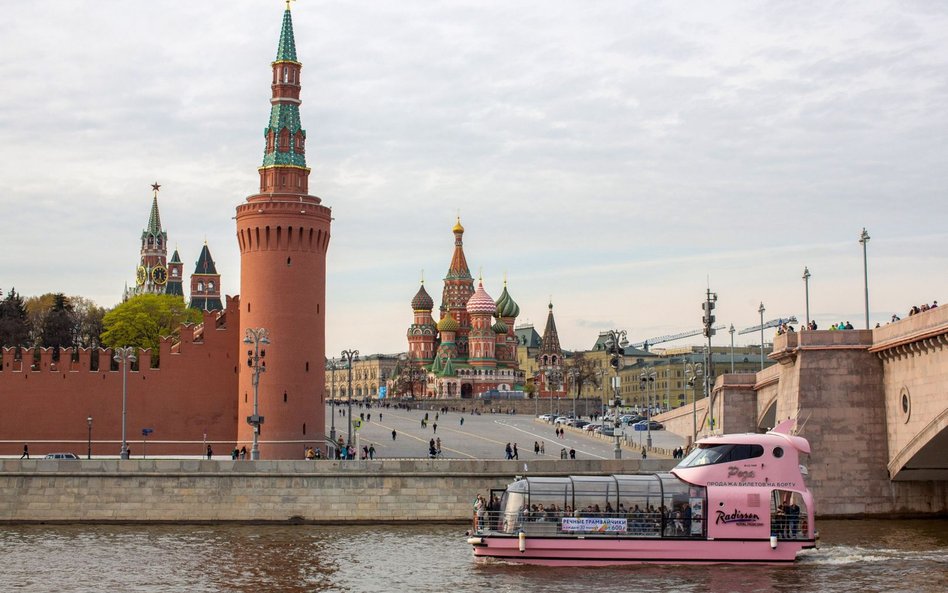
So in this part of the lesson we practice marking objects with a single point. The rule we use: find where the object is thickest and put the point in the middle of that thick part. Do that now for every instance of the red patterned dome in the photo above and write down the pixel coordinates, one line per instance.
(481, 302)
(422, 300)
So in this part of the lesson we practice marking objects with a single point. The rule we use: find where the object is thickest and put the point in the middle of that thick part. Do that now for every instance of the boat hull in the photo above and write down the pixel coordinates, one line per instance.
(610, 551)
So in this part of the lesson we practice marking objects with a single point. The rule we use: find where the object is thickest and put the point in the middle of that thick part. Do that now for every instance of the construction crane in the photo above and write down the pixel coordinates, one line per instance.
(772, 323)
(670, 338)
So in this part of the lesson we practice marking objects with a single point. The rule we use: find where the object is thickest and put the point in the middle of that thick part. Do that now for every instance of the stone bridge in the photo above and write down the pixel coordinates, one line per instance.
(873, 404)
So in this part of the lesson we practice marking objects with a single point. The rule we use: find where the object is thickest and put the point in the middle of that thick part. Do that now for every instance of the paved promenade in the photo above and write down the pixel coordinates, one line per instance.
(481, 436)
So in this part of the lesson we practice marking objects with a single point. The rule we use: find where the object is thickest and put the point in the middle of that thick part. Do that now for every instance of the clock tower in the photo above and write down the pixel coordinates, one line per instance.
(152, 273)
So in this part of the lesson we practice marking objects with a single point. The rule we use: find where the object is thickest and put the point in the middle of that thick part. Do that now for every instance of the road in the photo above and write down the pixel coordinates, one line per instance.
(480, 437)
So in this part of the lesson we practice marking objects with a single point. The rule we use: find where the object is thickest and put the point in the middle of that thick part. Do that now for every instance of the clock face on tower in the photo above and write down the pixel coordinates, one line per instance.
(159, 275)
(140, 275)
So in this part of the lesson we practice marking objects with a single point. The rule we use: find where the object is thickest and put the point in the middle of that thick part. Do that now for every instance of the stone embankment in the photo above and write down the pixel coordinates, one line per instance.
(199, 491)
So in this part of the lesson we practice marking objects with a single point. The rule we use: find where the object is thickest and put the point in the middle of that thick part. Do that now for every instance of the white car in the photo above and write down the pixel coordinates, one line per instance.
(546, 417)
(61, 456)
(561, 420)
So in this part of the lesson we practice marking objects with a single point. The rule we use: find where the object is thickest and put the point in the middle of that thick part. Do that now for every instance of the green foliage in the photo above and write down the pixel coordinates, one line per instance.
(142, 320)
(14, 322)
(56, 330)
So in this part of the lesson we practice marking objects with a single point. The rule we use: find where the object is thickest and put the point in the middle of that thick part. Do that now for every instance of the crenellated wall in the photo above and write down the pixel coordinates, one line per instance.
(190, 394)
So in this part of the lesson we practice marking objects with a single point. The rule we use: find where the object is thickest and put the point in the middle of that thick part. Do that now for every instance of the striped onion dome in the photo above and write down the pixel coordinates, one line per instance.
(480, 302)
(500, 327)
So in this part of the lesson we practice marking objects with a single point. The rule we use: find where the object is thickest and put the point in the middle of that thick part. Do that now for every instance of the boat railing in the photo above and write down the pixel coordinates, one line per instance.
(553, 523)
(789, 527)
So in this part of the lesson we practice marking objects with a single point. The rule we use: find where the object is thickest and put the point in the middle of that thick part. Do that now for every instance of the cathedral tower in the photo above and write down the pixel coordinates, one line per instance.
(458, 290)
(283, 234)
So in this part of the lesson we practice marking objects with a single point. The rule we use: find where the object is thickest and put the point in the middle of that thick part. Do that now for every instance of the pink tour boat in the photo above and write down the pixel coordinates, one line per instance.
(735, 498)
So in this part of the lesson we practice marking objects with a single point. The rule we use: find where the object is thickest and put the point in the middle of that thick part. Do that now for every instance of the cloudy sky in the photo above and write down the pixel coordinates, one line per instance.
(616, 156)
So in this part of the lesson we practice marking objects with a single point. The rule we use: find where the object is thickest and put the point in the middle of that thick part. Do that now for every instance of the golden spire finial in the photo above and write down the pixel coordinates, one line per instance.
(505, 278)
(288, 3)
(422, 275)
(480, 274)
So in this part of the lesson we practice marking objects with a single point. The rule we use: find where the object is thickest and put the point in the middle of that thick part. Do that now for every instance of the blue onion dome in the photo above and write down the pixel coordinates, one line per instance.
(422, 300)
(500, 327)
(506, 306)
(448, 324)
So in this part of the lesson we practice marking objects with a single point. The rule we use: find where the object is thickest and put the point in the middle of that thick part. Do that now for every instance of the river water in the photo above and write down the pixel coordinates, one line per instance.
(861, 556)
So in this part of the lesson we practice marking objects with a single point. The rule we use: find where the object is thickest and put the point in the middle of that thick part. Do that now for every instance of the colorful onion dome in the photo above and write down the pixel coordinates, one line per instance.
(500, 327)
(480, 302)
(448, 324)
(506, 306)
(457, 227)
(422, 300)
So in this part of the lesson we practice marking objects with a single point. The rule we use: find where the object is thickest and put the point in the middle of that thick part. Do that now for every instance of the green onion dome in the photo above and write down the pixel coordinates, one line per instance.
(500, 327)
(506, 306)
(448, 324)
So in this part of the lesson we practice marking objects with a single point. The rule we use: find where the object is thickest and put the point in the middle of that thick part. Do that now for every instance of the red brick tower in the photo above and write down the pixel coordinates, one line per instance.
(283, 235)
(458, 290)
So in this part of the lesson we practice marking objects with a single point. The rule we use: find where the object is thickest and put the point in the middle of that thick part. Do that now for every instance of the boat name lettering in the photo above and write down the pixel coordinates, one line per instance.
(733, 470)
(739, 518)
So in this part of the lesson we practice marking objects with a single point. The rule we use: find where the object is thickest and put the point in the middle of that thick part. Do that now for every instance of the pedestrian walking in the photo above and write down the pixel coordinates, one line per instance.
(26, 452)
(372, 451)
(644, 453)
(536, 448)
(210, 452)
(243, 452)
(516, 454)
(462, 420)
(393, 434)
(509, 452)
(438, 445)
(542, 447)
(434, 427)
(572, 453)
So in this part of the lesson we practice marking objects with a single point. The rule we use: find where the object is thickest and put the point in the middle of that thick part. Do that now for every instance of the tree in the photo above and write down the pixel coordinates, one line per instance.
(142, 320)
(14, 323)
(581, 370)
(57, 326)
(87, 322)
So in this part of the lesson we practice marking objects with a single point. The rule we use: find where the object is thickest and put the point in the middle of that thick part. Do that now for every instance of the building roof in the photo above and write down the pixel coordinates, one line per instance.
(506, 306)
(175, 258)
(286, 49)
(422, 300)
(527, 336)
(481, 302)
(205, 263)
(551, 340)
(458, 268)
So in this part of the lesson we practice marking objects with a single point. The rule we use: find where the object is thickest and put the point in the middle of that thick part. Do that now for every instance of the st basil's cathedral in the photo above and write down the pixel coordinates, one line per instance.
(472, 348)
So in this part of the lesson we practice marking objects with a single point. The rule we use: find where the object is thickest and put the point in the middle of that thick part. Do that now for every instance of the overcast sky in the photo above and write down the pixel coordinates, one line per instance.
(615, 156)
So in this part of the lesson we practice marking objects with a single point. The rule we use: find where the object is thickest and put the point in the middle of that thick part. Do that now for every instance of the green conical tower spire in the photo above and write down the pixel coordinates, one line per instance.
(286, 50)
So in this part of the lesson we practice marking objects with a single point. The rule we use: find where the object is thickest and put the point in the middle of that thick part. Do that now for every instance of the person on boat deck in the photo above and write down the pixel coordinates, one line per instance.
(686, 518)
(609, 508)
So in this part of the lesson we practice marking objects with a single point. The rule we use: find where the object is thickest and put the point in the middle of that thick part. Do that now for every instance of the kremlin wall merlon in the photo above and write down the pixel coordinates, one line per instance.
(187, 399)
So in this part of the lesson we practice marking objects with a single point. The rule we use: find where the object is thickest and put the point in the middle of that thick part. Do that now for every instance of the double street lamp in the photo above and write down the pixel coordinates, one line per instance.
(255, 360)
(333, 367)
(616, 342)
(349, 356)
(124, 355)
(554, 380)
(806, 287)
(574, 379)
(761, 311)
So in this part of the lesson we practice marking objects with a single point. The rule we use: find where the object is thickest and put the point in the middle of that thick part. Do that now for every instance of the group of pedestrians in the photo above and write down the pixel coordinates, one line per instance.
(539, 448)
(512, 452)
(678, 453)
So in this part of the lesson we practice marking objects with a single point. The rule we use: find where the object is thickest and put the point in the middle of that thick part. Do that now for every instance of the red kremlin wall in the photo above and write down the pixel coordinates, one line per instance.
(189, 395)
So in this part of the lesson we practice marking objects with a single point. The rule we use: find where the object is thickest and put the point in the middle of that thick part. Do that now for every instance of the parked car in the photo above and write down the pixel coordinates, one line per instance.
(578, 423)
(644, 425)
(561, 420)
(61, 456)
(546, 417)
(592, 426)
(607, 431)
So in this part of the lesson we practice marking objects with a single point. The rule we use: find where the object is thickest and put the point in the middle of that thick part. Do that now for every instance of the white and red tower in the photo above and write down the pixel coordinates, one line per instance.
(283, 233)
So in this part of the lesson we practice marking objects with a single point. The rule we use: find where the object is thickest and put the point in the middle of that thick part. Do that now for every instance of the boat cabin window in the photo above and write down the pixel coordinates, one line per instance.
(788, 515)
(724, 453)
(594, 495)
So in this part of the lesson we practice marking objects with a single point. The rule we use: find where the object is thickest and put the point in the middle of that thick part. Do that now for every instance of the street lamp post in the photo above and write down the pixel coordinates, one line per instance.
(864, 239)
(574, 379)
(255, 360)
(349, 356)
(806, 285)
(694, 371)
(647, 377)
(761, 311)
(89, 449)
(731, 331)
(124, 355)
(616, 342)
(333, 367)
